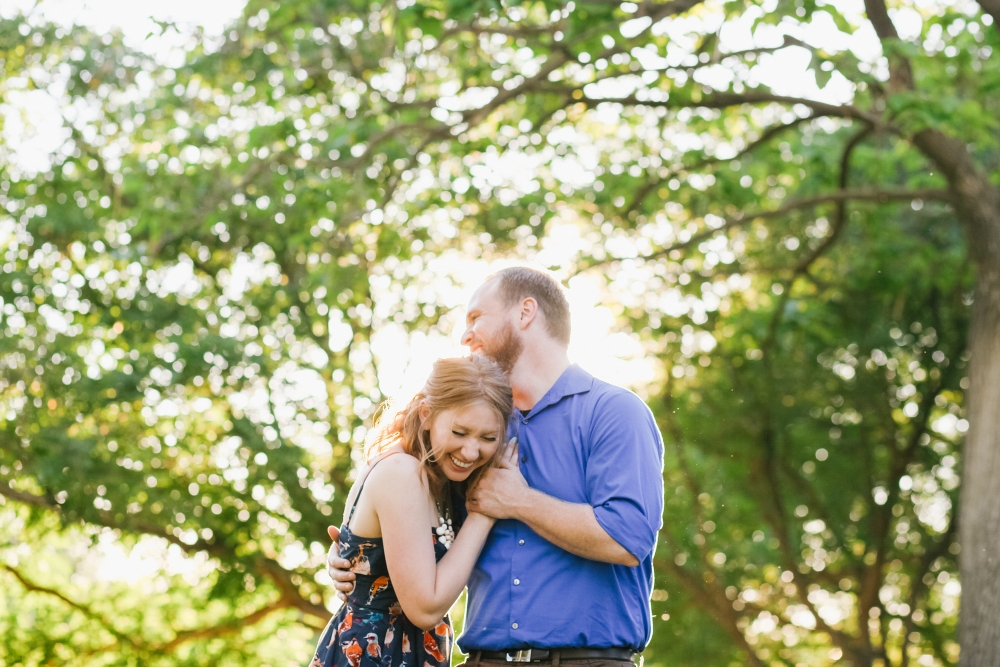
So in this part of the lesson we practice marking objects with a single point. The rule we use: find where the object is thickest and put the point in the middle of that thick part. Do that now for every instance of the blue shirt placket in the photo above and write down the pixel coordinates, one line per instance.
(562, 600)
(520, 554)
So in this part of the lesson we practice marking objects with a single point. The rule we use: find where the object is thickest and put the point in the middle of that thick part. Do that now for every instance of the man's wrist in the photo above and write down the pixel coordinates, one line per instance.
(520, 510)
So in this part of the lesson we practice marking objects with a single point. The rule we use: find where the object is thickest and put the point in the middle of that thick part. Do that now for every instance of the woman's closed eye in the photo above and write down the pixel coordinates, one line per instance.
(462, 434)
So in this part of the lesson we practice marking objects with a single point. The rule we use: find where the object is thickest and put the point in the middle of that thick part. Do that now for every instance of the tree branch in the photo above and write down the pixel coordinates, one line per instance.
(475, 116)
(816, 504)
(917, 585)
(839, 222)
(720, 610)
(724, 100)
(208, 205)
(718, 57)
(82, 608)
(840, 215)
(774, 511)
(27, 498)
(673, 428)
(878, 15)
(992, 7)
(379, 138)
(526, 31)
(282, 578)
(657, 11)
(222, 629)
(787, 41)
(765, 137)
(880, 196)
(975, 197)
(900, 72)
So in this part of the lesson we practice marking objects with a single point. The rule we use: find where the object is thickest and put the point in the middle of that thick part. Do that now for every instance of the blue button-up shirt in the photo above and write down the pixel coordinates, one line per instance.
(585, 441)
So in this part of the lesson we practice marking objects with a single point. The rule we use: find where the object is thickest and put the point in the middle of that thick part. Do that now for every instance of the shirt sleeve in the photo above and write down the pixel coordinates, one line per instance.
(625, 472)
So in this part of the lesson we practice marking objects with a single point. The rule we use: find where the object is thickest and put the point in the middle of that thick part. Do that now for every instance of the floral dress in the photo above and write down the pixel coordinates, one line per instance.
(370, 629)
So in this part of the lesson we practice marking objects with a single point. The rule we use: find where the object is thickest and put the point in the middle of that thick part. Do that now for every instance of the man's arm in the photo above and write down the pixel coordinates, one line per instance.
(624, 482)
(503, 494)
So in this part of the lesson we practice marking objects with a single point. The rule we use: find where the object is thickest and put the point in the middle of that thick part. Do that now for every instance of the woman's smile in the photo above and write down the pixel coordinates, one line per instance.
(464, 439)
(459, 463)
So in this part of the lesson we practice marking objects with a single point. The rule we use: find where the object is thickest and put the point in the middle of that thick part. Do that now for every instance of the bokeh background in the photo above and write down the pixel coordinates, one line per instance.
(230, 230)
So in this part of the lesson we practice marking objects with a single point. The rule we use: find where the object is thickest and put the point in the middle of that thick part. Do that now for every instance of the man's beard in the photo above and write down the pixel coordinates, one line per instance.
(507, 350)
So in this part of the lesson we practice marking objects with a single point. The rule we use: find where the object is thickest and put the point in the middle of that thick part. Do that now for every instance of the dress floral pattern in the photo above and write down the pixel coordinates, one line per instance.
(371, 630)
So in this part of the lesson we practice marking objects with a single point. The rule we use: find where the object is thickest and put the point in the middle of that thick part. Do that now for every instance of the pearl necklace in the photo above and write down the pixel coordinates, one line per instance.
(445, 533)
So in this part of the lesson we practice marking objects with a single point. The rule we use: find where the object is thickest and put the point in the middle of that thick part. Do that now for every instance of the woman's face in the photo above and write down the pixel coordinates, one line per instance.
(463, 439)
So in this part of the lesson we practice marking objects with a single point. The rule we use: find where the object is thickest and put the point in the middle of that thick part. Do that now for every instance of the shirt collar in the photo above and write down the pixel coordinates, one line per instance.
(574, 380)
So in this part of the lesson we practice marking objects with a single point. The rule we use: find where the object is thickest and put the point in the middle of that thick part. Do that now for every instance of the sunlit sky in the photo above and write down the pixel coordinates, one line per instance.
(34, 130)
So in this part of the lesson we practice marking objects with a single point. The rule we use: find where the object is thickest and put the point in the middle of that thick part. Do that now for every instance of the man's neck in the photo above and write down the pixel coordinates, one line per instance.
(536, 370)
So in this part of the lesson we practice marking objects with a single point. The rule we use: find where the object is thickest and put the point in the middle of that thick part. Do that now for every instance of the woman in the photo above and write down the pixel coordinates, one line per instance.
(398, 526)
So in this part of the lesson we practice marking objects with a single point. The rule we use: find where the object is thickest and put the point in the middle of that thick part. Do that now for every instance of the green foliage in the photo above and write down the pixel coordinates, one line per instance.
(192, 286)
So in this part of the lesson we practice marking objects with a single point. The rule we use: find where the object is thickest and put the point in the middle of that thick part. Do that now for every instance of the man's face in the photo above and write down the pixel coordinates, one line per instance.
(489, 329)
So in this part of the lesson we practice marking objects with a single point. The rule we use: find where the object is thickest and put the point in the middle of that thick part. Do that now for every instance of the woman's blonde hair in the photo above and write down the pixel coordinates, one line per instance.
(453, 383)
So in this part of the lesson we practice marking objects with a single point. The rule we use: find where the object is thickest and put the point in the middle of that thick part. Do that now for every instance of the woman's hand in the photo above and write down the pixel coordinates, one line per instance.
(509, 458)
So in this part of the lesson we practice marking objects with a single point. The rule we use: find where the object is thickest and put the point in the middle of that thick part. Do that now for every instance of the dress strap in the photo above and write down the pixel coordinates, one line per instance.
(364, 479)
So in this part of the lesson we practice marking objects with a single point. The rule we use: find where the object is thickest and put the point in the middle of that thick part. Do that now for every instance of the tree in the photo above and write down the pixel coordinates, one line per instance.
(801, 519)
(192, 288)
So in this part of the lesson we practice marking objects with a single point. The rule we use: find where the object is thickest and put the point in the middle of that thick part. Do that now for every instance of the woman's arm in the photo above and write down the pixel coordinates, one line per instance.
(426, 589)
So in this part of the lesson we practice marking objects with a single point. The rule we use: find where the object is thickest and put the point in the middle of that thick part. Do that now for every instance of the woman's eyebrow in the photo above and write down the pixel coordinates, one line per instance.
(463, 427)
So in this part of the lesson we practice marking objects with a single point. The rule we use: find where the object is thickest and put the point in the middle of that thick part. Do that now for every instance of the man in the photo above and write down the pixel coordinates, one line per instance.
(567, 572)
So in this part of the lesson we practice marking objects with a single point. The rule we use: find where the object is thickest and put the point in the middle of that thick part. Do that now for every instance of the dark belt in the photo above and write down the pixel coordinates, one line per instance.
(545, 654)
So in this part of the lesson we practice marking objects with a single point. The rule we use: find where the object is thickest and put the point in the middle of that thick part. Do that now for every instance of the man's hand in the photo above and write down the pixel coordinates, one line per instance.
(500, 490)
(503, 493)
(338, 568)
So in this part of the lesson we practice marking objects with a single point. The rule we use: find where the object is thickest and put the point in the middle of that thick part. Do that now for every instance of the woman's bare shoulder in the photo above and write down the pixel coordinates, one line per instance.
(396, 468)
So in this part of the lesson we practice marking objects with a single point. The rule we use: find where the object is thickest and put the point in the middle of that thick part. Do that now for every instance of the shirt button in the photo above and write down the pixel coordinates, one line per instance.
(521, 542)
(514, 625)
(524, 459)
(517, 582)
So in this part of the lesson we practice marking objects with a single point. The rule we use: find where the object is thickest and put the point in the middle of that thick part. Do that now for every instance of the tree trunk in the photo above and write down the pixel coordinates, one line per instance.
(979, 523)
(992, 7)
(977, 204)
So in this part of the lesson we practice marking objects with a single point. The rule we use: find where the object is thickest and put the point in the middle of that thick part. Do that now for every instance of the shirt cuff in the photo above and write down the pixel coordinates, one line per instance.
(628, 527)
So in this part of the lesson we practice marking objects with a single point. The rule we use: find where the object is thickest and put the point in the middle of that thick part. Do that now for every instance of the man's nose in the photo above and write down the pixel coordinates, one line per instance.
(467, 337)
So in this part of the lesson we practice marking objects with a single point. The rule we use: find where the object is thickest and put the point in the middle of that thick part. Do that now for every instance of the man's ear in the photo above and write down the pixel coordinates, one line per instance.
(528, 313)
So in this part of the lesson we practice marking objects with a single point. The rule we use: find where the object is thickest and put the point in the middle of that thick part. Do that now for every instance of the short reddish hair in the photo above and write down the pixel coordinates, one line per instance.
(520, 282)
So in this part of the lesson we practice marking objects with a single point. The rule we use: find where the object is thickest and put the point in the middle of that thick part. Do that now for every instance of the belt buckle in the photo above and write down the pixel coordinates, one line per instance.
(520, 656)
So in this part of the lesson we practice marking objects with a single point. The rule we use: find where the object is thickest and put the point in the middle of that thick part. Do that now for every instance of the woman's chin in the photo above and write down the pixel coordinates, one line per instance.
(456, 474)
